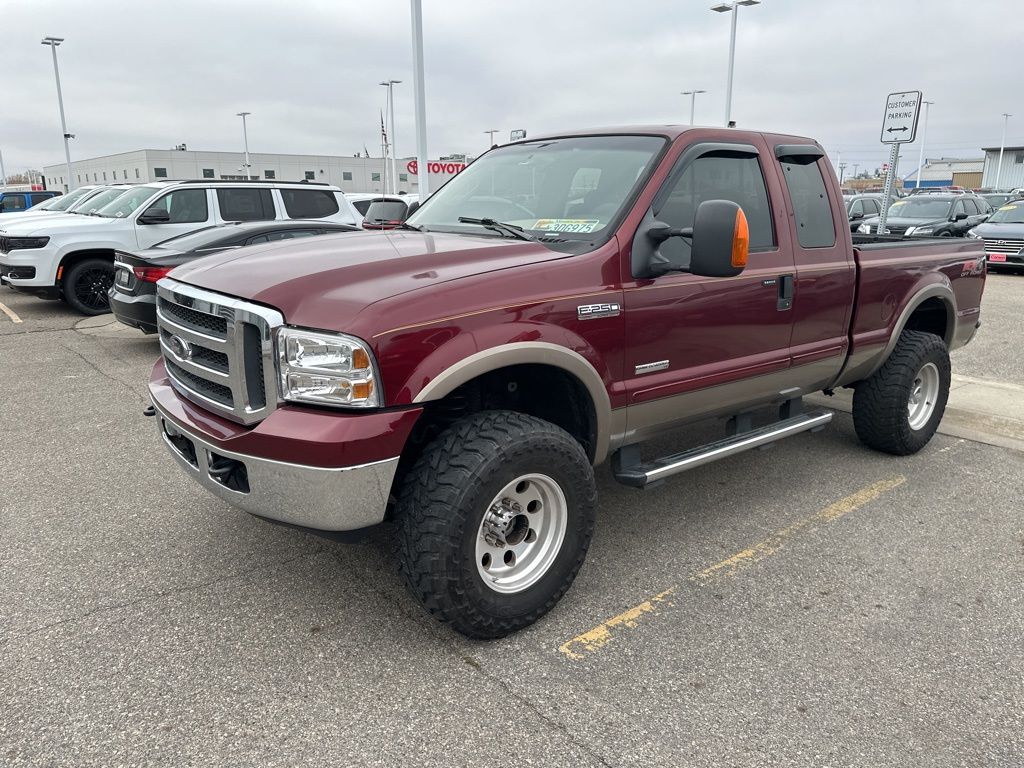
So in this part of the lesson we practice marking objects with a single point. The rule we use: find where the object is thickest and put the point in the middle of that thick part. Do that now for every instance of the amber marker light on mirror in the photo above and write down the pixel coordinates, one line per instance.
(740, 241)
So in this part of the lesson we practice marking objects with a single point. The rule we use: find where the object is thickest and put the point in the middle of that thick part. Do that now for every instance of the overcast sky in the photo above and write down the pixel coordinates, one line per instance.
(151, 75)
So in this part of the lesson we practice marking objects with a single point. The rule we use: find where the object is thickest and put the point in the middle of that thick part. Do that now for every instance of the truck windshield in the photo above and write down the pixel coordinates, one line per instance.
(574, 186)
(127, 203)
(1009, 214)
(920, 208)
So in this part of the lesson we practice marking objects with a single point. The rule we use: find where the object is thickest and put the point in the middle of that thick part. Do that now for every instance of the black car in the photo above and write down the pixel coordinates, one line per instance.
(860, 207)
(932, 215)
(133, 295)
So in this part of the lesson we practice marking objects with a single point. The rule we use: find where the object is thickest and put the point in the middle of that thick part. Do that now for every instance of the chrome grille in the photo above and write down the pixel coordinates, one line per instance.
(1003, 245)
(219, 351)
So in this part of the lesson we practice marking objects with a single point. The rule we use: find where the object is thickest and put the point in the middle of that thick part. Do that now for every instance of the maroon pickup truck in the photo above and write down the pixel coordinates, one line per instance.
(554, 306)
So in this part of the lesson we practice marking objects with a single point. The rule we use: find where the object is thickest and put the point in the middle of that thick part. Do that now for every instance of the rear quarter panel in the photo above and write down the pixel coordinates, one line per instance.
(895, 278)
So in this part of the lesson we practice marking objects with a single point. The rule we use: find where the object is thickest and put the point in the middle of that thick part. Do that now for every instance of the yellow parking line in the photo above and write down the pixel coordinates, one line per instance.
(10, 313)
(597, 638)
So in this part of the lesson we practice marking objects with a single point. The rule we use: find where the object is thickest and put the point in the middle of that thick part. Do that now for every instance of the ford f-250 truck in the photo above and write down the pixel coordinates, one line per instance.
(553, 307)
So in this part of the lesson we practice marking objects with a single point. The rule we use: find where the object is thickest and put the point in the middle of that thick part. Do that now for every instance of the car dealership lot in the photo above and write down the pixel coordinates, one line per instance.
(766, 610)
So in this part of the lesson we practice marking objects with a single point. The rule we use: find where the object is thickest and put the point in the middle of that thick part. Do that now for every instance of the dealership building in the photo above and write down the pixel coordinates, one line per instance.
(351, 174)
(1012, 175)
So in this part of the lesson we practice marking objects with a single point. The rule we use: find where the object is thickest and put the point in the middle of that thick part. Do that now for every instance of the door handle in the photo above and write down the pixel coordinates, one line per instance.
(785, 301)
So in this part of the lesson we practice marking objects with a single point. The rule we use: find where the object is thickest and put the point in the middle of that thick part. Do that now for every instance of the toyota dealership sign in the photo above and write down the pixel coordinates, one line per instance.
(434, 166)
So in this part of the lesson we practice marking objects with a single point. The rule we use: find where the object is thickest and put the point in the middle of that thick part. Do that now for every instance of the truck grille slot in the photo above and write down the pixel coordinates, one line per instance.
(219, 351)
(197, 384)
(197, 321)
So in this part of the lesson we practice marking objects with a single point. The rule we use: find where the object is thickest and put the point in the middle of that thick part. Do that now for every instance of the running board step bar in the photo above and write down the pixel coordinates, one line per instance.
(638, 475)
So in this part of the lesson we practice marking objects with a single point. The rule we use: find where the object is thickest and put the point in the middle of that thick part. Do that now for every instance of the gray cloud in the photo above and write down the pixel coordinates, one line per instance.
(139, 74)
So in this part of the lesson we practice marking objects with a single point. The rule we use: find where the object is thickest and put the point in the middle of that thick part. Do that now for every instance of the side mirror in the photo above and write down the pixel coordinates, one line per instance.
(856, 216)
(412, 208)
(719, 242)
(155, 216)
(721, 239)
(959, 216)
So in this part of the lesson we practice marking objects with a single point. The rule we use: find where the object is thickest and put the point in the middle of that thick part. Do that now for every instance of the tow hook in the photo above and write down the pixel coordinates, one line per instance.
(149, 410)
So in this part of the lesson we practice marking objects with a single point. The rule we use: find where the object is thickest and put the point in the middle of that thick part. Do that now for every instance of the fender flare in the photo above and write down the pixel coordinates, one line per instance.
(535, 353)
(936, 290)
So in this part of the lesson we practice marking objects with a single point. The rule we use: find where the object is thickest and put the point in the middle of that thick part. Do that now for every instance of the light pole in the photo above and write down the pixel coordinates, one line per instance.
(1002, 146)
(734, 9)
(245, 138)
(420, 97)
(3, 173)
(842, 172)
(856, 167)
(390, 85)
(693, 101)
(491, 134)
(53, 42)
(924, 139)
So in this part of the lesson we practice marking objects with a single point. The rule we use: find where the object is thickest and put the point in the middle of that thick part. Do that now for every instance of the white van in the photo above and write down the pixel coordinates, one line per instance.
(73, 258)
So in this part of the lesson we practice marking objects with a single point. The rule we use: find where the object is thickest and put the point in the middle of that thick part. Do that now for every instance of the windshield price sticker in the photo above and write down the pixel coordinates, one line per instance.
(567, 225)
(900, 123)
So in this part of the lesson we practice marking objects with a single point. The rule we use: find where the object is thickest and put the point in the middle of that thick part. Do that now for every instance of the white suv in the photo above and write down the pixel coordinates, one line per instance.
(74, 258)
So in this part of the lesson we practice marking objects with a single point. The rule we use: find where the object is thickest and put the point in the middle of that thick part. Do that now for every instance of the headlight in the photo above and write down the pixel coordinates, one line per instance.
(864, 229)
(326, 368)
(973, 235)
(16, 243)
(920, 231)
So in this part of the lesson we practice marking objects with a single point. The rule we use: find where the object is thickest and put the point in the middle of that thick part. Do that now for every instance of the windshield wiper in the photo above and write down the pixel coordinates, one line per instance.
(404, 225)
(499, 226)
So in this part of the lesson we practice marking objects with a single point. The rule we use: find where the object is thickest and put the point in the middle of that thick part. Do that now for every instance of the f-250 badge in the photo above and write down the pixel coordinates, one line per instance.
(594, 311)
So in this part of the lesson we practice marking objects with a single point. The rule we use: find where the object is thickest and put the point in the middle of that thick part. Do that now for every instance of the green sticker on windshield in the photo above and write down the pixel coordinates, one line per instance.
(567, 225)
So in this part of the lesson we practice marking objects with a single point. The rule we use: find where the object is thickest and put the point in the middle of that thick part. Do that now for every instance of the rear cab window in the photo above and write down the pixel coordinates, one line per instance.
(812, 211)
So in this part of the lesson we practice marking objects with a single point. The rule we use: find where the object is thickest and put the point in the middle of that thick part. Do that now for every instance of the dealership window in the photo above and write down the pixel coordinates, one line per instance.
(374, 177)
(207, 173)
(403, 177)
(815, 225)
(104, 175)
(246, 204)
(125, 172)
(309, 203)
(94, 176)
(1020, 157)
(269, 175)
(160, 173)
(79, 178)
(185, 206)
(346, 175)
(309, 175)
(136, 173)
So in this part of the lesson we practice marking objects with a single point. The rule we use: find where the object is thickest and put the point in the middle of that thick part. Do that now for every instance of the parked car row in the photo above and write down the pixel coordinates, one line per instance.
(69, 254)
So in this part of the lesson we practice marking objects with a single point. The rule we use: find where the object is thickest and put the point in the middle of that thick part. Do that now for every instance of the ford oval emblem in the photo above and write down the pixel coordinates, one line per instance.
(180, 348)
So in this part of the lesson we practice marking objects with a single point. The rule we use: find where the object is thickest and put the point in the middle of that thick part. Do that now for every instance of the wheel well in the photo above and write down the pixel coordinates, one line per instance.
(543, 391)
(931, 317)
(76, 256)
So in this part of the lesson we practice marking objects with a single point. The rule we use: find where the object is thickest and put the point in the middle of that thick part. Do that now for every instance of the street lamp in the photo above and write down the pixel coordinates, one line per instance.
(924, 138)
(245, 138)
(1002, 146)
(491, 134)
(734, 9)
(53, 42)
(390, 85)
(693, 99)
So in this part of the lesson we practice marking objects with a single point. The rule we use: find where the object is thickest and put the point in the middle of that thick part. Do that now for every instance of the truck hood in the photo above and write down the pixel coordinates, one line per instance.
(337, 276)
(59, 225)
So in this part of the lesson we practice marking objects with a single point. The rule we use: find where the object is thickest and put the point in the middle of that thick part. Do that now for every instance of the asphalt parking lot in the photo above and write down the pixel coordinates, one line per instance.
(814, 605)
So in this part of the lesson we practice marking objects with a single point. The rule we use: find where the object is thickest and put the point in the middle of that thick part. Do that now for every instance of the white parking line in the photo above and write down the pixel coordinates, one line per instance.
(10, 313)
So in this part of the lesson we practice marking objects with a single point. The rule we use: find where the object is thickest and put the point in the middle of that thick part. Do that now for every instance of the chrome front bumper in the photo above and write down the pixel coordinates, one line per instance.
(329, 499)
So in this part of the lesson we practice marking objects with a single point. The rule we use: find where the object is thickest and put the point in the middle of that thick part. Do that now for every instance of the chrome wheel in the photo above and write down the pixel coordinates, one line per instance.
(521, 533)
(924, 392)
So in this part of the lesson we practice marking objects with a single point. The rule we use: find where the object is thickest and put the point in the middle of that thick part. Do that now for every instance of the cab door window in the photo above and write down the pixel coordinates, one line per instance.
(720, 175)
